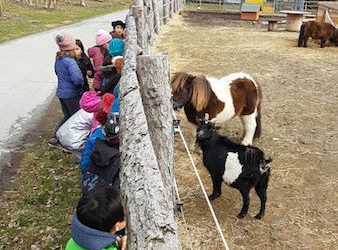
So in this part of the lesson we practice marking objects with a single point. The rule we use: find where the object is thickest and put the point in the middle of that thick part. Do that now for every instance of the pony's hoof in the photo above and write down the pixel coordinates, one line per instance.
(240, 216)
(259, 216)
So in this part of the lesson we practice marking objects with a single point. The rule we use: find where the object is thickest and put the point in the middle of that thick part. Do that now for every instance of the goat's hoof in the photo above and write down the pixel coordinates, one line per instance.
(259, 216)
(240, 216)
(213, 196)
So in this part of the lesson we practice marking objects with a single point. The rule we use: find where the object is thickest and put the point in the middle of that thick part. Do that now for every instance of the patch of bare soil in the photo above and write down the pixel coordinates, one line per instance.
(299, 118)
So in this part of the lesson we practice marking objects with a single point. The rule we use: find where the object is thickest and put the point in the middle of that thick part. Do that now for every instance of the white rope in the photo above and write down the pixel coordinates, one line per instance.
(202, 187)
(183, 216)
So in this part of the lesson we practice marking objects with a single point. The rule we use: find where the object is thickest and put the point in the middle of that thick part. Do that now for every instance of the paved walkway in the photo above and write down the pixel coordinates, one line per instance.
(27, 78)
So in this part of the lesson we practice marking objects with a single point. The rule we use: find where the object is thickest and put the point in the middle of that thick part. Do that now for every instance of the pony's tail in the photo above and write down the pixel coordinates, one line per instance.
(301, 35)
(258, 130)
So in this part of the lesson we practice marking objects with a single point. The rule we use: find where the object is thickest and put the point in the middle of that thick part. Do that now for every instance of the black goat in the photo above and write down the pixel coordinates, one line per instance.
(241, 167)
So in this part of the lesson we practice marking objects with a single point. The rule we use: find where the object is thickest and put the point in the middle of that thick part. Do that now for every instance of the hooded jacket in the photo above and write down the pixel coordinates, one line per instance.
(84, 238)
(97, 57)
(104, 167)
(70, 79)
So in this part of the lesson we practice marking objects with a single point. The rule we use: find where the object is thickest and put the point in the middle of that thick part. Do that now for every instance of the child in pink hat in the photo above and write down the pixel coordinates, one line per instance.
(70, 79)
(97, 54)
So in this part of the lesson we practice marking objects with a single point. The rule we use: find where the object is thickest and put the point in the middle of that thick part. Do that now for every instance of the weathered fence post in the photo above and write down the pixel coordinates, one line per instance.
(1, 9)
(149, 209)
(138, 11)
(157, 20)
(166, 11)
(153, 75)
(149, 14)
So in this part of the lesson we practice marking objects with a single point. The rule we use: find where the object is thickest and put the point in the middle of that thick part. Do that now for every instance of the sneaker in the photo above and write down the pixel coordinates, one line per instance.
(53, 141)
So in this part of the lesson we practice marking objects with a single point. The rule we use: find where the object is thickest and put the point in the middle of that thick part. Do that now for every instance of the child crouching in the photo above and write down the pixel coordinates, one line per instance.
(99, 215)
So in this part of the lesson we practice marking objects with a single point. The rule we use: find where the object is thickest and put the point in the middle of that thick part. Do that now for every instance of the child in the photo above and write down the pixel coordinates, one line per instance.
(104, 166)
(118, 30)
(70, 79)
(84, 63)
(99, 215)
(102, 43)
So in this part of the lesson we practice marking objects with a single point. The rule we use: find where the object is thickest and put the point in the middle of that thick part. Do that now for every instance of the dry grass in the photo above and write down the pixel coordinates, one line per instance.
(299, 132)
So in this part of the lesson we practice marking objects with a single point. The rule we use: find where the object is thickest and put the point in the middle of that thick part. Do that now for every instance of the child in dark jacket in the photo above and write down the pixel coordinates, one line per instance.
(104, 166)
(70, 79)
(84, 63)
(99, 217)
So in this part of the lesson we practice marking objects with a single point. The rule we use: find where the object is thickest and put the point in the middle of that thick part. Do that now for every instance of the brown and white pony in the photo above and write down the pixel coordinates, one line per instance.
(317, 30)
(237, 94)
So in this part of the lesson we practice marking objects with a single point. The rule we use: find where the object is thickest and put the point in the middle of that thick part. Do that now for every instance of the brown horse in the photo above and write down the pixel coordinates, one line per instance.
(317, 30)
(237, 94)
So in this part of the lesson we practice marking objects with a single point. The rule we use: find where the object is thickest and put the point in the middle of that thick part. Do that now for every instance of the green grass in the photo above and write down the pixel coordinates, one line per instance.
(39, 210)
(21, 20)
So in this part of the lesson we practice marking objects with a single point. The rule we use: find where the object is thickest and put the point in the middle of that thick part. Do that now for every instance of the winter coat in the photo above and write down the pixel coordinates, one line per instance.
(115, 108)
(85, 65)
(96, 55)
(104, 168)
(74, 132)
(70, 79)
(84, 238)
(85, 158)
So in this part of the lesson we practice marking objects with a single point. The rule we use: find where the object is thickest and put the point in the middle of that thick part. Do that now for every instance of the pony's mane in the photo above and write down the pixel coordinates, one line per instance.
(178, 81)
(201, 91)
(198, 85)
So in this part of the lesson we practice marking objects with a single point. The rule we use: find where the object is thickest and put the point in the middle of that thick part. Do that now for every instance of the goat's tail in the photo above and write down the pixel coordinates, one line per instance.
(258, 130)
(301, 35)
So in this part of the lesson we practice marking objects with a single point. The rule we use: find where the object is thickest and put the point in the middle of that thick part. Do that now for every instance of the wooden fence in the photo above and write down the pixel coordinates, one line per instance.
(147, 173)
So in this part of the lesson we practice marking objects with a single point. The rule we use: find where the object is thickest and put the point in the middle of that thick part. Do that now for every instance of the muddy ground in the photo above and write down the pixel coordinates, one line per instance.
(299, 118)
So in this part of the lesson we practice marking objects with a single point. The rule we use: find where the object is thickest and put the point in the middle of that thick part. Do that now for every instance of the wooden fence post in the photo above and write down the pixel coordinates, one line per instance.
(149, 211)
(153, 75)
(157, 19)
(138, 11)
(166, 11)
(1, 9)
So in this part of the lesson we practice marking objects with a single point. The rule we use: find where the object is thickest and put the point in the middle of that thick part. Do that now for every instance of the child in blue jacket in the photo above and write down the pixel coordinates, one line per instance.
(70, 79)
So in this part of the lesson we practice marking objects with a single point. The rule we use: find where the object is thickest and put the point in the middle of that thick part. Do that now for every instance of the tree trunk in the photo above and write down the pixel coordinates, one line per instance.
(149, 211)
(153, 75)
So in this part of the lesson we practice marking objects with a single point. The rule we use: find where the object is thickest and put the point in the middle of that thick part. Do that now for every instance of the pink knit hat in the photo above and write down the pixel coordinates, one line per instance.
(91, 102)
(65, 41)
(102, 37)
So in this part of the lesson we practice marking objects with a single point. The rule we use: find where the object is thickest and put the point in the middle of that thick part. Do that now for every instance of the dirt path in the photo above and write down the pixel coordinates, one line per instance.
(299, 131)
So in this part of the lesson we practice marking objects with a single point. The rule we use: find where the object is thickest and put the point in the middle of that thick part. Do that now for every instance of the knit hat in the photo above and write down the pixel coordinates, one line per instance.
(102, 37)
(107, 101)
(91, 102)
(114, 24)
(65, 41)
(116, 47)
(118, 63)
(111, 128)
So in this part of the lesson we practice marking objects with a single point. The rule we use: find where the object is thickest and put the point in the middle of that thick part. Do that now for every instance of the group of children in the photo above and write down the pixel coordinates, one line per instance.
(98, 222)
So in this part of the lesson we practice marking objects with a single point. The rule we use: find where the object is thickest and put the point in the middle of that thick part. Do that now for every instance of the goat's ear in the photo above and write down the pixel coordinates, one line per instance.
(268, 160)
